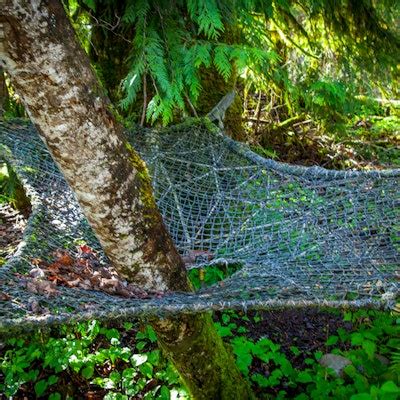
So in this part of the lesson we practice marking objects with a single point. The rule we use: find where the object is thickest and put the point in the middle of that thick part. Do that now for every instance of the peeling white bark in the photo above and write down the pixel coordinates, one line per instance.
(53, 77)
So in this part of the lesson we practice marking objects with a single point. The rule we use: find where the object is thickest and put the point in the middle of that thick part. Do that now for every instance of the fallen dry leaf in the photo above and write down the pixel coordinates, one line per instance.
(4, 296)
(83, 272)
(38, 286)
(63, 258)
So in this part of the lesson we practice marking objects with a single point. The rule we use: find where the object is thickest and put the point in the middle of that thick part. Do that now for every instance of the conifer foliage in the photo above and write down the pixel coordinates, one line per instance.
(261, 42)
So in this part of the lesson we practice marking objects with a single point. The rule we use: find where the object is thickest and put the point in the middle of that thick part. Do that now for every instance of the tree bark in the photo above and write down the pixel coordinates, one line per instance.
(3, 92)
(52, 74)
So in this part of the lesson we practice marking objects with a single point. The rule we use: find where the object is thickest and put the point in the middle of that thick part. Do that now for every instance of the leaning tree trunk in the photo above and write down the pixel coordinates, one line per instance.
(52, 75)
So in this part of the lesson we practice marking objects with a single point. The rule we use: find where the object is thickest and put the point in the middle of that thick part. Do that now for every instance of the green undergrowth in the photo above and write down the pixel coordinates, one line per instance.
(123, 360)
(368, 139)
(361, 141)
(209, 275)
(370, 346)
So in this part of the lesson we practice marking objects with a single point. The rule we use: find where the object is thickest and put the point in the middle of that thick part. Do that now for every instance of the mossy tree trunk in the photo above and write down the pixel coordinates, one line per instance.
(19, 199)
(52, 74)
(214, 87)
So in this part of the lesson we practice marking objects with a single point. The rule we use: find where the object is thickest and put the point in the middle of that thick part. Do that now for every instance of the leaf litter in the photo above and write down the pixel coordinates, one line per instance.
(84, 271)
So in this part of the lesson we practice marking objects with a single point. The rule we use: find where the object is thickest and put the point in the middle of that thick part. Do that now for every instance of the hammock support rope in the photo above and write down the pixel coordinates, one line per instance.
(303, 236)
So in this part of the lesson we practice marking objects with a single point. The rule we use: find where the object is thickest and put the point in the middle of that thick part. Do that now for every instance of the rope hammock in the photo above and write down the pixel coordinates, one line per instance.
(302, 236)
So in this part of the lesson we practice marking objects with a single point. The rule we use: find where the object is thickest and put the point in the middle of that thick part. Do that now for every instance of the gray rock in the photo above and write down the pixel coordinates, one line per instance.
(335, 362)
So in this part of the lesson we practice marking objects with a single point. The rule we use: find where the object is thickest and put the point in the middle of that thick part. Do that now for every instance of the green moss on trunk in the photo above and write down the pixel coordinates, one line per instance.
(206, 366)
(145, 191)
(16, 192)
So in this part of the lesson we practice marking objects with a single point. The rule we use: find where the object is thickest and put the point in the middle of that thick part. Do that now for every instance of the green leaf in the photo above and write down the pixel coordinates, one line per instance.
(225, 318)
(115, 377)
(295, 350)
(128, 326)
(390, 387)
(207, 15)
(318, 355)
(332, 340)
(201, 55)
(152, 334)
(165, 393)
(304, 377)
(52, 380)
(257, 319)
(91, 4)
(40, 387)
(357, 339)
(128, 373)
(242, 329)
(115, 396)
(140, 345)
(223, 331)
(112, 333)
(369, 347)
(243, 362)
(261, 380)
(88, 371)
(302, 396)
(153, 357)
(361, 396)
(221, 61)
(146, 369)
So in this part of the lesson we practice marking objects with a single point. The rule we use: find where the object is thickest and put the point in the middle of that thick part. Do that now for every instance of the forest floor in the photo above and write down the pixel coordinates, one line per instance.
(278, 351)
(363, 143)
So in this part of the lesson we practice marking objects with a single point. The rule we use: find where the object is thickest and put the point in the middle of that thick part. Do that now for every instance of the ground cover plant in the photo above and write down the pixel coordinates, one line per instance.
(277, 351)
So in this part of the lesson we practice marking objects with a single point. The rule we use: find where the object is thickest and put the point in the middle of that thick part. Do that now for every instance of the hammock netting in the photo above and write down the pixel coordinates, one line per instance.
(303, 236)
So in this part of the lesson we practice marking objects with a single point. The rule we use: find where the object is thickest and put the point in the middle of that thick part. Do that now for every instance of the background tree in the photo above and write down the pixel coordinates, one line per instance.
(52, 75)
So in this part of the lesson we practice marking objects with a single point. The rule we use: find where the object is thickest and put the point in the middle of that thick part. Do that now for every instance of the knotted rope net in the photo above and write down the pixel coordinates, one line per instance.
(302, 236)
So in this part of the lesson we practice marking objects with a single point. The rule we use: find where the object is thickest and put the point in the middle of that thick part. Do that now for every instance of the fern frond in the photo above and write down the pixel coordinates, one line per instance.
(159, 107)
(132, 83)
(221, 60)
(135, 11)
(207, 15)
(155, 57)
(395, 361)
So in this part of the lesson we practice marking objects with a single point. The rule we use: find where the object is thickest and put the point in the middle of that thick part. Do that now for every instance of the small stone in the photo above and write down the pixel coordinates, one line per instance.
(335, 362)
